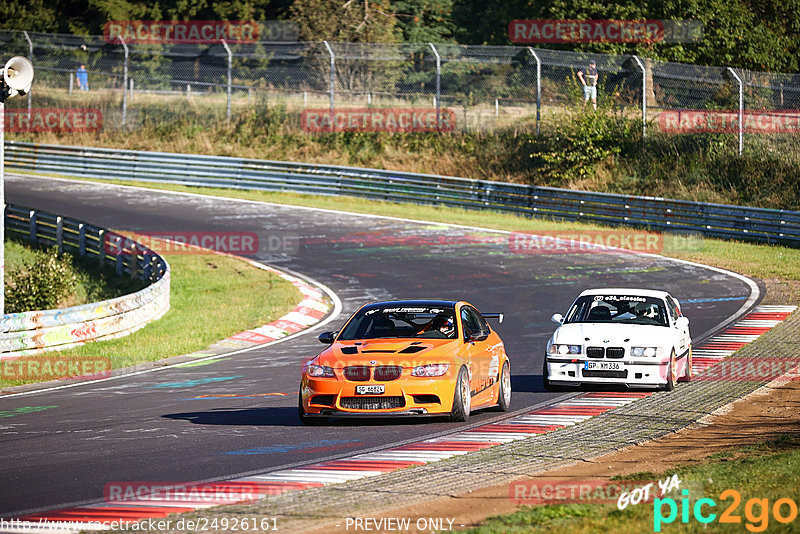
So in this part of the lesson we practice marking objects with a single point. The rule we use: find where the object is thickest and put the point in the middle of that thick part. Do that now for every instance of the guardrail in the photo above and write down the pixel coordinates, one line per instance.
(714, 220)
(35, 332)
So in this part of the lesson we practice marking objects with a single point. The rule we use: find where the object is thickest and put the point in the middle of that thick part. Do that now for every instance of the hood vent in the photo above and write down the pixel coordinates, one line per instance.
(413, 349)
(349, 350)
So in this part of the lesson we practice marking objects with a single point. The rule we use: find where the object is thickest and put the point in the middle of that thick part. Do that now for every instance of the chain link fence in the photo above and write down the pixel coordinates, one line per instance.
(477, 87)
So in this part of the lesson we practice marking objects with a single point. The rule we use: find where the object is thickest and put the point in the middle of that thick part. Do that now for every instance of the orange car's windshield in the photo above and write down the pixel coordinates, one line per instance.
(401, 322)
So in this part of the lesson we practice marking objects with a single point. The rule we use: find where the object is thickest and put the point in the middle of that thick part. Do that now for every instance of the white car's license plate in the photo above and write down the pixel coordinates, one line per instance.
(372, 389)
(602, 366)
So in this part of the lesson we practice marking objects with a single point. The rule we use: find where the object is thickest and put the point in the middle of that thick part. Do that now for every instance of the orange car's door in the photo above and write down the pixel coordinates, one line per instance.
(478, 349)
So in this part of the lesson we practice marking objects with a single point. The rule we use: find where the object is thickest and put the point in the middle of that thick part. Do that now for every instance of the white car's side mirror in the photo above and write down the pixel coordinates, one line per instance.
(682, 322)
(557, 318)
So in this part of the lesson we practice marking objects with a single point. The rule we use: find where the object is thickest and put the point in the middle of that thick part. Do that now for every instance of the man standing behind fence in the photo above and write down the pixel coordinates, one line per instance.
(589, 82)
(83, 78)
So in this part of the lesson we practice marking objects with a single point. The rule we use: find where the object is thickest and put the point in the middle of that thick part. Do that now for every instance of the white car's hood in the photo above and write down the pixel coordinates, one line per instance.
(612, 335)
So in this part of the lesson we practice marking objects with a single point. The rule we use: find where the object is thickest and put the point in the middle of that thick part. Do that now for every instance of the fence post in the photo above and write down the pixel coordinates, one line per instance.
(101, 248)
(124, 82)
(69, 77)
(81, 239)
(644, 95)
(741, 109)
(32, 216)
(538, 87)
(30, 56)
(230, 65)
(60, 234)
(333, 74)
(438, 87)
(130, 81)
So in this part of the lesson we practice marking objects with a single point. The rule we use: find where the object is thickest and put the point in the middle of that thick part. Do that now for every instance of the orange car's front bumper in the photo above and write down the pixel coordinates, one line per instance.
(405, 396)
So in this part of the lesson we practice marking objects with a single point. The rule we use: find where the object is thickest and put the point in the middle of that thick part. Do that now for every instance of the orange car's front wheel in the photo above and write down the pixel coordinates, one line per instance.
(462, 398)
(304, 418)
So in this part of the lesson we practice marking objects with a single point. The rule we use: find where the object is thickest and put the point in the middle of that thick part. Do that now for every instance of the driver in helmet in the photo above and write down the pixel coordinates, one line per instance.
(644, 309)
(443, 324)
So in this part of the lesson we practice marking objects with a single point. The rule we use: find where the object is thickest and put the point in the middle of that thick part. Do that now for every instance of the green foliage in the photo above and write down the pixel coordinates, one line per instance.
(425, 21)
(40, 283)
(580, 139)
(35, 15)
(332, 20)
(41, 279)
(762, 35)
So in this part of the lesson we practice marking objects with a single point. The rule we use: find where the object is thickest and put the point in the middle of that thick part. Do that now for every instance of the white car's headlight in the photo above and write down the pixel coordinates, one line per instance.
(647, 352)
(320, 371)
(431, 369)
(563, 350)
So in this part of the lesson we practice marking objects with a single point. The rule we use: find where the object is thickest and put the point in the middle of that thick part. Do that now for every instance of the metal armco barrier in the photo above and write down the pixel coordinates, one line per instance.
(714, 220)
(34, 332)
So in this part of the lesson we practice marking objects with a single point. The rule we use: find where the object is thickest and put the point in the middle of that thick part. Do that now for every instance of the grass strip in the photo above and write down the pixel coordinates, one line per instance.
(759, 476)
(212, 297)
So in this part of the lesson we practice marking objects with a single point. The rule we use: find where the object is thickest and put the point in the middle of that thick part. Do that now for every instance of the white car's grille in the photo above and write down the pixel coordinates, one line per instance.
(595, 352)
(610, 352)
(615, 352)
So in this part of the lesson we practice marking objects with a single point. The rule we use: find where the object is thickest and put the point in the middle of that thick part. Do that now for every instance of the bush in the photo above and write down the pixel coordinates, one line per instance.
(577, 140)
(41, 283)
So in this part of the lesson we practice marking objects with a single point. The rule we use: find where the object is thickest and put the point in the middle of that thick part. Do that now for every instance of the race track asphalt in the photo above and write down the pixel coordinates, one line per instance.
(153, 427)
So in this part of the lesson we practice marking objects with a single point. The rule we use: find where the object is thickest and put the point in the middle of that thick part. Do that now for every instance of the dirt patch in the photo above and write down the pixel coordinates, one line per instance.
(781, 291)
(766, 413)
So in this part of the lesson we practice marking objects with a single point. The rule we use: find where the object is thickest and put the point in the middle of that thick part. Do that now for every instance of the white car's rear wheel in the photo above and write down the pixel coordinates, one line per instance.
(687, 371)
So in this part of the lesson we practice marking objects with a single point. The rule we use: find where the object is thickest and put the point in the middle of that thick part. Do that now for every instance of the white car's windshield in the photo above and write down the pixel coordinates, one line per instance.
(626, 309)
(401, 322)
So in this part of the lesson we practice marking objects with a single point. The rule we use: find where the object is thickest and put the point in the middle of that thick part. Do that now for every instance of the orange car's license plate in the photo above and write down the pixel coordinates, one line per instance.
(376, 389)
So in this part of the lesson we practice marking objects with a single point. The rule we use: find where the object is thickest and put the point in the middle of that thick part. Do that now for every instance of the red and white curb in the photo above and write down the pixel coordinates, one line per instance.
(531, 424)
(744, 331)
(308, 312)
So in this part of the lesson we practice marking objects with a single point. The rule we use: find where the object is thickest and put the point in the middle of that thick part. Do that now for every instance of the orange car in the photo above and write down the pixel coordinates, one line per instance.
(408, 357)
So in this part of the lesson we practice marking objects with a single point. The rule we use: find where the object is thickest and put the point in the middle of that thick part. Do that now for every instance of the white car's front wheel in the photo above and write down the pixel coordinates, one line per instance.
(672, 372)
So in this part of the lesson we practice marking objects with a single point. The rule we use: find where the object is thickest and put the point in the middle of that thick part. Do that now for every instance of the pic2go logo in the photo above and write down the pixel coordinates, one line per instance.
(756, 511)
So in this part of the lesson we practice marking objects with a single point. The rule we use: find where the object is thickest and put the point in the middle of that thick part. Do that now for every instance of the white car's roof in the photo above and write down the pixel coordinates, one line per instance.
(625, 291)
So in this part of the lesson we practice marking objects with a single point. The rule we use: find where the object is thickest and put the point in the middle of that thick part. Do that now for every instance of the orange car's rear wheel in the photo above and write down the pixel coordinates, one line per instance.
(462, 398)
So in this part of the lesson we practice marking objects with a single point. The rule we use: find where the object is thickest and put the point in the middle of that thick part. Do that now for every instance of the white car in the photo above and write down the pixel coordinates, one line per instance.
(631, 337)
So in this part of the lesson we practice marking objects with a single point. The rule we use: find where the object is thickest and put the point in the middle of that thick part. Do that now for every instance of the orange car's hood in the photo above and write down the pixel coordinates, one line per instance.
(405, 352)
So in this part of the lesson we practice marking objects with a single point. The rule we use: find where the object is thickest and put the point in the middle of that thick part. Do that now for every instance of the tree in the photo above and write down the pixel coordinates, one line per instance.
(353, 21)
(424, 21)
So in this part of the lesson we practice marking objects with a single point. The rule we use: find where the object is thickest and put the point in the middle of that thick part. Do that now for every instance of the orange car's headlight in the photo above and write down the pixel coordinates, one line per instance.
(431, 369)
(320, 371)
